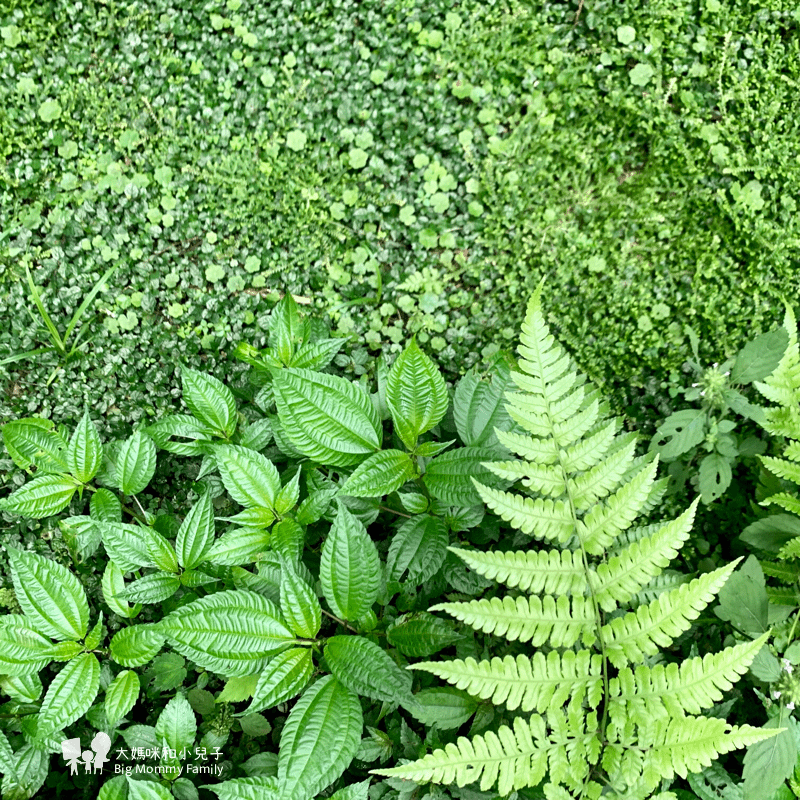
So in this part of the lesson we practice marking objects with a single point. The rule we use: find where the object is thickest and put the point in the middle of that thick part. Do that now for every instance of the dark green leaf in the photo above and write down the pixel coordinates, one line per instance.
(210, 401)
(136, 463)
(759, 358)
(419, 546)
(44, 496)
(381, 474)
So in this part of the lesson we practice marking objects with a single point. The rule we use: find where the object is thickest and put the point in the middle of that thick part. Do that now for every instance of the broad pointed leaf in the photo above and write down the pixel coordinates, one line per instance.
(136, 463)
(121, 696)
(85, 453)
(233, 633)
(136, 645)
(210, 401)
(415, 393)
(350, 569)
(380, 474)
(250, 478)
(70, 694)
(327, 418)
(319, 739)
(284, 677)
(50, 595)
(42, 497)
(363, 667)
(299, 603)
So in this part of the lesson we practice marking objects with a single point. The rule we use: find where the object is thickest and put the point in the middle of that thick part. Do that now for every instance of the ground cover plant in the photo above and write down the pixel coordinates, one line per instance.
(363, 510)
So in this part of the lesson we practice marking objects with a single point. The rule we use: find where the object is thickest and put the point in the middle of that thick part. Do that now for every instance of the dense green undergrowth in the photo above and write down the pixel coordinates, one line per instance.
(408, 168)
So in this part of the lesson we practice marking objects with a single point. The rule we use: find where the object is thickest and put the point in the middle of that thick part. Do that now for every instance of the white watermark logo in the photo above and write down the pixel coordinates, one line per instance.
(93, 759)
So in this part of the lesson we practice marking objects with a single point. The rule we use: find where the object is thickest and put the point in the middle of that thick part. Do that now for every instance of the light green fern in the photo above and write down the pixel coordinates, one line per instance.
(590, 714)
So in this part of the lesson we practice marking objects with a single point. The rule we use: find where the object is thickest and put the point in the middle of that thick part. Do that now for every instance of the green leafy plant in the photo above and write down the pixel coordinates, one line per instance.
(703, 443)
(64, 345)
(605, 718)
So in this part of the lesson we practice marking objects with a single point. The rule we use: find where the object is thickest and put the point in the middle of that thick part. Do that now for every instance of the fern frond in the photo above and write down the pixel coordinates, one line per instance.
(783, 596)
(529, 619)
(625, 574)
(677, 689)
(529, 684)
(783, 386)
(641, 632)
(665, 582)
(543, 451)
(543, 519)
(687, 744)
(790, 550)
(781, 467)
(589, 451)
(540, 478)
(539, 571)
(788, 573)
(598, 529)
(596, 483)
(785, 500)
(515, 758)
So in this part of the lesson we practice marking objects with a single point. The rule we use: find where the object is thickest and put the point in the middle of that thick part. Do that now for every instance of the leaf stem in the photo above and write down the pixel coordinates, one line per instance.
(340, 621)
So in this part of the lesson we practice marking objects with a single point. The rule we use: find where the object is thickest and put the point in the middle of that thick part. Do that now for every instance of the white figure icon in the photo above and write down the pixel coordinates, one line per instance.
(93, 759)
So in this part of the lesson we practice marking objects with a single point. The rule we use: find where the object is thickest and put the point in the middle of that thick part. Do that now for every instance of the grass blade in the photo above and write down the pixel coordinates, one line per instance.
(58, 342)
(86, 301)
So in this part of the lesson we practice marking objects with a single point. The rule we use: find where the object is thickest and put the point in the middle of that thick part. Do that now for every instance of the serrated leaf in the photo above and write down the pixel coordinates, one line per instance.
(121, 696)
(319, 739)
(284, 677)
(317, 355)
(136, 645)
(381, 474)
(50, 595)
(743, 599)
(679, 433)
(92, 640)
(233, 633)
(162, 552)
(258, 518)
(363, 667)
(449, 476)
(479, 408)
(169, 671)
(256, 435)
(239, 546)
(431, 449)
(285, 329)
(176, 725)
(299, 604)
(288, 538)
(35, 442)
(113, 585)
(42, 497)
(127, 545)
(81, 535)
(192, 437)
(287, 497)
(715, 477)
(153, 588)
(315, 505)
(238, 689)
(135, 463)
(444, 707)
(22, 688)
(85, 452)
(70, 694)
(772, 533)
(355, 791)
(29, 773)
(257, 787)
(326, 417)
(759, 358)
(350, 569)
(210, 401)
(105, 507)
(250, 478)
(768, 763)
(415, 393)
(419, 546)
(422, 635)
(23, 650)
(196, 533)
